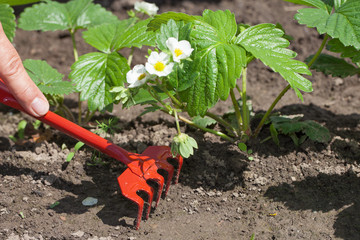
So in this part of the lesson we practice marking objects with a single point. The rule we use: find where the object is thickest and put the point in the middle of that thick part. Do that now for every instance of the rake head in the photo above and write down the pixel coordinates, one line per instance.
(143, 169)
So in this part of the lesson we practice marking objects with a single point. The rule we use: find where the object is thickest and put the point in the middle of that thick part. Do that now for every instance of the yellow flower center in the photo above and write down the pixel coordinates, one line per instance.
(159, 66)
(178, 52)
(141, 77)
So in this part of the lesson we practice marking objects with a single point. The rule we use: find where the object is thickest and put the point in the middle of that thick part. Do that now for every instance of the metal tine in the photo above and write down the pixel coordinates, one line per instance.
(164, 165)
(154, 176)
(130, 184)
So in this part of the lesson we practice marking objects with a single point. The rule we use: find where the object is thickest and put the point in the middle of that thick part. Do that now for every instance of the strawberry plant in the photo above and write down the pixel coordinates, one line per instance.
(201, 60)
(195, 62)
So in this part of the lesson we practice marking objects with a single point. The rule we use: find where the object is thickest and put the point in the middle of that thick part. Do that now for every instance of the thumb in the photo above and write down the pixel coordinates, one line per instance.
(18, 81)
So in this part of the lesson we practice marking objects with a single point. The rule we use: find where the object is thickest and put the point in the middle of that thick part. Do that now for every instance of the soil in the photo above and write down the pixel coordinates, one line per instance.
(286, 192)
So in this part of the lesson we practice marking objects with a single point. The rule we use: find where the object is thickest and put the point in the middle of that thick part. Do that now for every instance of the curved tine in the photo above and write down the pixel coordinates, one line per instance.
(170, 170)
(162, 154)
(180, 163)
(153, 175)
(130, 184)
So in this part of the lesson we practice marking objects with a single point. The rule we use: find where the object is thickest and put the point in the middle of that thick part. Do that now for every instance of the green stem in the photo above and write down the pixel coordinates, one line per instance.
(76, 57)
(267, 114)
(222, 122)
(237, 112)
(317, 54)
(244, 103)
(131, 56)
(173, 98)
(167, 109)
(177, 121)
(282, 93)
(220, 134)
(69, 113)
(89, 116)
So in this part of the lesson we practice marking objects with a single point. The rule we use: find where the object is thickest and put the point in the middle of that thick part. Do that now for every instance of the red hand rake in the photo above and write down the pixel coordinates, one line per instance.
(141, 167)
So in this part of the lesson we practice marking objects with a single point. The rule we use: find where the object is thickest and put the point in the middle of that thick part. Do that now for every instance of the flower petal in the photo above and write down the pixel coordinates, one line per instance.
(171, 43)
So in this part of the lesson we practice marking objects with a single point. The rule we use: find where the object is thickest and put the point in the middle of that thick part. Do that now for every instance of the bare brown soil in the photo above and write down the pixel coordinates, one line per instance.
(310, 192)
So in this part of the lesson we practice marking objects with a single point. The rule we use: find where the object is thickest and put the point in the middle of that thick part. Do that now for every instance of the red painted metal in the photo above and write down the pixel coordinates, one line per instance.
(141, 167)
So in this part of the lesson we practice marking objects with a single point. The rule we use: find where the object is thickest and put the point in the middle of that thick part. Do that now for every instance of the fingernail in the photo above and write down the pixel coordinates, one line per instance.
(39, 106)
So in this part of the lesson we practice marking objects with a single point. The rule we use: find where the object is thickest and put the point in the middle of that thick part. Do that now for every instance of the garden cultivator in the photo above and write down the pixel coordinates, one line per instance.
(141, 167)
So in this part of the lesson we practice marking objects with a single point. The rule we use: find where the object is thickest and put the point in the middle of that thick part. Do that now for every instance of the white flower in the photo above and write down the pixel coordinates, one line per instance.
(147, 8)
(137, 76)
(179, 50)
(158, 64)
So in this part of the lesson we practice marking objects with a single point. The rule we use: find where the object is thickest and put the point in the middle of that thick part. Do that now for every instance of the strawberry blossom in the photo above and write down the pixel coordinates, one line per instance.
(179, 49)
(159, 65)
(137, 76)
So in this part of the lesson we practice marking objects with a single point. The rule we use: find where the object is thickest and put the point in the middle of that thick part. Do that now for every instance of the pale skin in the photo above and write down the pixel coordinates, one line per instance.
(13, 73)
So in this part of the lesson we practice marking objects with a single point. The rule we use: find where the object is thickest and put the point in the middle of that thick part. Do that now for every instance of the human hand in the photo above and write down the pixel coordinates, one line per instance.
(18, 81)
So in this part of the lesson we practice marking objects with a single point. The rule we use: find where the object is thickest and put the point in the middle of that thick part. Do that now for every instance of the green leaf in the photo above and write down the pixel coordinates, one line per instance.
(17, 2)
(218, 68)
(274, 134)
(223, 21)
(316, 132)
(70, 156)
(75, 14)
(115, 36)
(178, 30)
(78, 145)
(136, 36)
(95, 74)
(48, 79)
(21, 129)
(335, 45)
(265, 42)
(54, 204)
(142, 96)
(158, 20)
(102, 37)
(286, 125)
(150, 109)
(184, 145)
(339, 3)
(321, 4)
(182, 77)
(242, 146)
(334, 66)
(290, 126)
(203, 121)
(7, 19)
(217, 61)
(343, 23)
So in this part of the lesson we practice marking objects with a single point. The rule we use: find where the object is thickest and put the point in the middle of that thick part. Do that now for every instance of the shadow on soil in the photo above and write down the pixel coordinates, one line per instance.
(104, 187)
(220, 166)
(325, 193)
(345, 129)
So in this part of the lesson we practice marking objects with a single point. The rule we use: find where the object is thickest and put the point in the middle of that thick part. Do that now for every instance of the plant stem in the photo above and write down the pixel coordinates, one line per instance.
(237, 112)
(317, 54)
(76, 57)
(282, 93)
(267, 114)
(89, 116)
(222, 122)
(131, 56)
(244, 103)
(220, 134)
(177, 121)
(69, 113)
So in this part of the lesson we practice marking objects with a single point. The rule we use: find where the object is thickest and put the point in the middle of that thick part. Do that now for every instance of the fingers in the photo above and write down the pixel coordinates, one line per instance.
(18, 81)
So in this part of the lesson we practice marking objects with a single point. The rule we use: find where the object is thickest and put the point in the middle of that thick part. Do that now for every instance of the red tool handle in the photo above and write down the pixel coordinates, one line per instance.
(70, 129)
